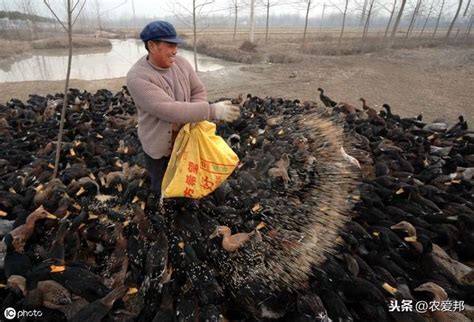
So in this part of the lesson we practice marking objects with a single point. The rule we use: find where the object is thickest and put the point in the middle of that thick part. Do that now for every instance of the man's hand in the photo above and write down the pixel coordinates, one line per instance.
(226, 111)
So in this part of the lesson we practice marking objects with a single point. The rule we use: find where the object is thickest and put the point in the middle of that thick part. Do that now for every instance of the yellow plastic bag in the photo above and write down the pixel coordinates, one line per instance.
(199, 163)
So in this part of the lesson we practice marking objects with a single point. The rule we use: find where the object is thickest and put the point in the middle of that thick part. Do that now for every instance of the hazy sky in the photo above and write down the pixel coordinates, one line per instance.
(162, 8)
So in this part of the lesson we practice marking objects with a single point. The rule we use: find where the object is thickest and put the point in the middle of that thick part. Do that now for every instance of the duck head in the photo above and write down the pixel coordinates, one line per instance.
(408, 228)
(220, 230)
(438, 292)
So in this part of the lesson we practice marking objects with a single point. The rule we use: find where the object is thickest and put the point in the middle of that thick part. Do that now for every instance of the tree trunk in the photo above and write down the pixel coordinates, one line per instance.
(306, 22)
(362, 15)
(195, 36)
(467, 8)
(134, 17)
(322, 18)
(235, 20)
(390, 19)
(268, 16)
(343, 21)
(427, 18)
(469, 28)
(367, 22)
(99, 20)
(252, 4)
(66, 87)
(413, 18)
(439, 18)
(397, 22)
(454, 20)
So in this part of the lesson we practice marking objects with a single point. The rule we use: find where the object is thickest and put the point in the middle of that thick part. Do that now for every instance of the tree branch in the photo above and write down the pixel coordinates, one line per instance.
(54, 13)
(75, 5)
(331, 4)
(186, 9)
(79, 12)
(204, 4)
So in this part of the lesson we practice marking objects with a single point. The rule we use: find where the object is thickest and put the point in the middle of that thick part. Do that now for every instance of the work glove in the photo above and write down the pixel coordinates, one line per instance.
(226, 111)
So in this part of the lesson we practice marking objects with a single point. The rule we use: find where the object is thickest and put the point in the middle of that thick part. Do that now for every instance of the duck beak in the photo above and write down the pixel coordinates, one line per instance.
(396, 226)
(132, 290)
(57, 269)
(392, 290)
(411, 239)
(215, 233)
(3, 286)
(51, 216)
(80, 191)
(3, 213)
(260, 225)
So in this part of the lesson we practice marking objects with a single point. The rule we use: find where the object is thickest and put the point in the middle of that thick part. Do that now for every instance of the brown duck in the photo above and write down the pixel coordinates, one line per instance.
(22, 233)
(233, 242)
(440, 295)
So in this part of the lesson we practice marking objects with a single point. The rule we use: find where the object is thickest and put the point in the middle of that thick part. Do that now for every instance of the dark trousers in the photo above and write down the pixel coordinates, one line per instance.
(156, 170)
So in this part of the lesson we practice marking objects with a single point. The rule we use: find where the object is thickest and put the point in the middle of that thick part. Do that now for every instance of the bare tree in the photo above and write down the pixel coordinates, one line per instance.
(390, 19)
(397, 21)
(267, 4)
(252, 10)
(439, 18)
(413, 18)
(71, 20)
(367, 21)
(322, 18)
(134, 17)
(467, 8)
(344, 14)
(464, 17)
(427, 18)
(454, 20)
(26, 6)
(99, 19)
(197, 7)
(306, 21)
(268, 17)
(236, 8)
(363, 14)
(469, 27)
(196, 15)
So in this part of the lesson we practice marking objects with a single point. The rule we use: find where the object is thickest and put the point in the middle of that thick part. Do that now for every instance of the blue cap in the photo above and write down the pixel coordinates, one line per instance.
(160, 30)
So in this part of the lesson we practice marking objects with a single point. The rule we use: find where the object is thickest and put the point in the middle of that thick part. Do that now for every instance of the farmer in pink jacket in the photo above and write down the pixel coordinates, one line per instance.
(168, 93)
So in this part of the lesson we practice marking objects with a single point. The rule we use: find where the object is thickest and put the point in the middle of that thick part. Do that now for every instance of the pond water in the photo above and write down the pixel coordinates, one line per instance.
(89, 64)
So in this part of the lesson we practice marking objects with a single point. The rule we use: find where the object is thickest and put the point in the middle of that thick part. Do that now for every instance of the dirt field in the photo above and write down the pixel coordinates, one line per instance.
(435, 81)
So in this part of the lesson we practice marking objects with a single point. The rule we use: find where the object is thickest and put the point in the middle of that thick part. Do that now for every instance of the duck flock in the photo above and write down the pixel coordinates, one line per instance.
(334, 214)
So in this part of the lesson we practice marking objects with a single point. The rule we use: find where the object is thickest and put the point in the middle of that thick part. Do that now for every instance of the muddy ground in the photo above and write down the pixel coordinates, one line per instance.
(435, 81)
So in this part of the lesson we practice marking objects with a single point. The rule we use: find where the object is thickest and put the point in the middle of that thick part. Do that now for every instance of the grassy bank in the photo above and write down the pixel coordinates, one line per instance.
(287, 47)
(77, 42)
(11, 48)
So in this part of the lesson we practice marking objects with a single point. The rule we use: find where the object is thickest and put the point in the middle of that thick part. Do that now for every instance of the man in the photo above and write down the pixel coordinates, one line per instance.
(168, 93)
